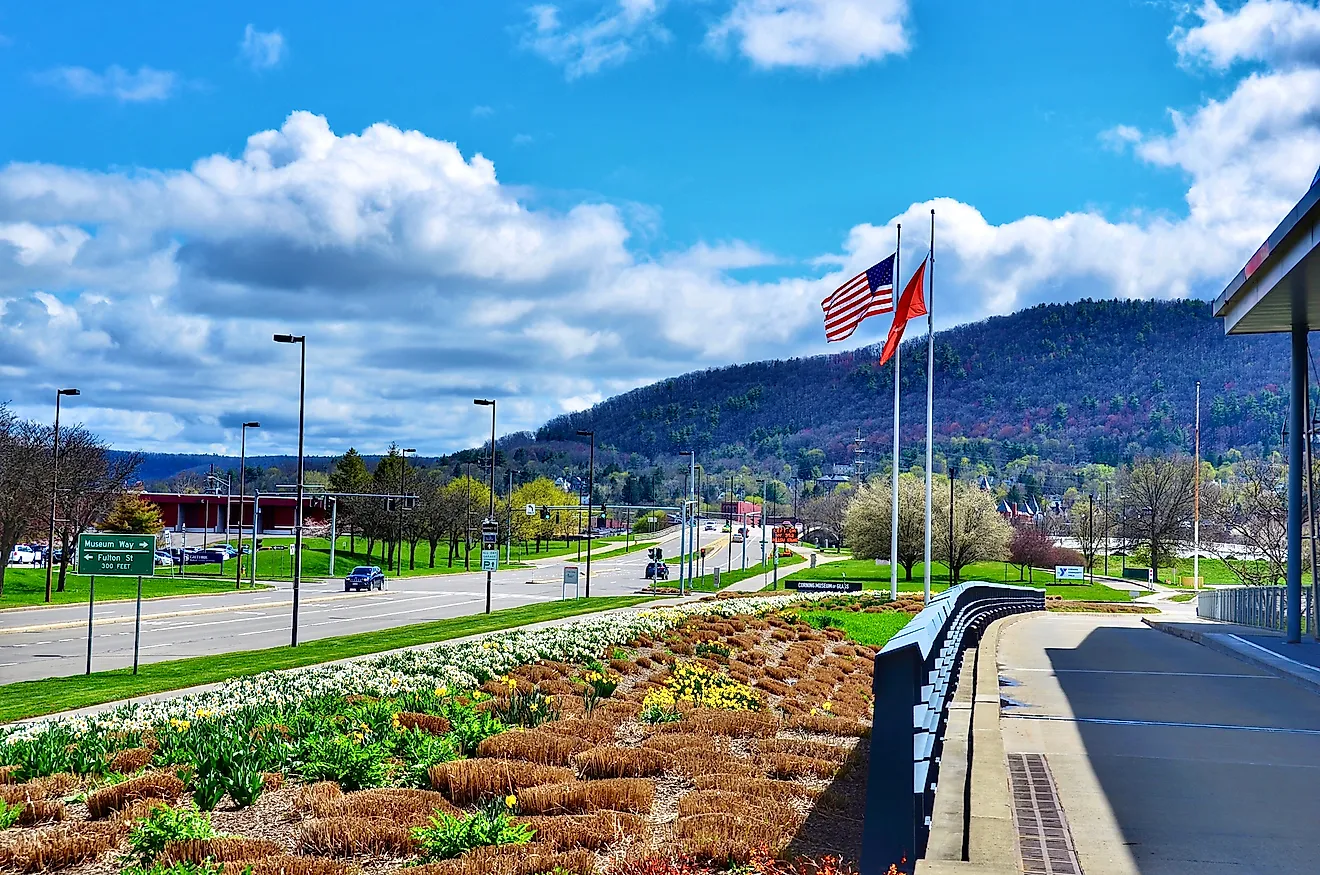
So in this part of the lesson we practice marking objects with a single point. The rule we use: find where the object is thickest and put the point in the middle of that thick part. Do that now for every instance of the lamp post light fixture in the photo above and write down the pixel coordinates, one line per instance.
(489, 402)
(54, 486)
(403, 490)
(591, 497)
(953, 477)
(242, 494)
(301, 340)
(685, 558)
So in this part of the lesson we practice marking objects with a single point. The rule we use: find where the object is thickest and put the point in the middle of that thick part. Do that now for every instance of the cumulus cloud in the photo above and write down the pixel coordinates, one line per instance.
(423, 281)
(815, 34)
(618, 31)
(1281, 33)
(261, 49)
(116, 82)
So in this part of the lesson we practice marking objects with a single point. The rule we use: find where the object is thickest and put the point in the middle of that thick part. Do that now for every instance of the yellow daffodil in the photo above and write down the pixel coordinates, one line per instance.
(510, 801)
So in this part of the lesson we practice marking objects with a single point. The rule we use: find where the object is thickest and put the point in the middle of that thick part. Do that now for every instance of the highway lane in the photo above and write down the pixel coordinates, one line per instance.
(52, 642)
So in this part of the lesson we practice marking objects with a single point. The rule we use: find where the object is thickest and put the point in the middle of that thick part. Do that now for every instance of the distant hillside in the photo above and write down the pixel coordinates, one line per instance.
(1091, 381)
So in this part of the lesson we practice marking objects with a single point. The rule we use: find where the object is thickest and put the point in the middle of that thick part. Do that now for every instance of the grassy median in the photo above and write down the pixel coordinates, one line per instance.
(51, 695)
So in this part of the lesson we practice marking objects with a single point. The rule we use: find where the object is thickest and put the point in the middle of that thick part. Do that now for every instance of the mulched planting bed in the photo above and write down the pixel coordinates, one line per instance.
(711, 741)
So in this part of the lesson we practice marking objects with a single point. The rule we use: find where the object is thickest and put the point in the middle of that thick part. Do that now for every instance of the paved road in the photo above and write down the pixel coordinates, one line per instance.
(1168, 757)
(50, 642)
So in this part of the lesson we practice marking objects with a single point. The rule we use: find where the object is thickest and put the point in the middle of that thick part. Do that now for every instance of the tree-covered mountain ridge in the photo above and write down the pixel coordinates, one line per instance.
(1099, 381)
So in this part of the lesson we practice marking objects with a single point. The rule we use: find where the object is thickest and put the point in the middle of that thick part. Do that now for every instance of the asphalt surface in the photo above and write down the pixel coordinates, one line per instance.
(1168, 757)
(52, 642)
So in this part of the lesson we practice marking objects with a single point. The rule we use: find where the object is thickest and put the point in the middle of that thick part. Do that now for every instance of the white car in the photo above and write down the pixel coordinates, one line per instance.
(22, 554)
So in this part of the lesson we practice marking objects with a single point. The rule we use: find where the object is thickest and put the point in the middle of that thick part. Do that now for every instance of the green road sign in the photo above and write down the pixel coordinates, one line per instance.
(117, 555)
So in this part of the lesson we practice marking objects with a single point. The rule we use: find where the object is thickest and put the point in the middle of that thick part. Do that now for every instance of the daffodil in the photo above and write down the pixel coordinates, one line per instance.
(510, 801)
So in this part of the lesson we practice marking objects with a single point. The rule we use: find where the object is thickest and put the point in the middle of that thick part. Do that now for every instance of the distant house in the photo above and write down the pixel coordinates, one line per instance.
(744, 513)
(830, 481)
(187, 512)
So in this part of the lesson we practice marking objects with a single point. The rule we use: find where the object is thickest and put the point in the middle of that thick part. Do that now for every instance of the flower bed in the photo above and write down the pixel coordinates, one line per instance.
(703, 735)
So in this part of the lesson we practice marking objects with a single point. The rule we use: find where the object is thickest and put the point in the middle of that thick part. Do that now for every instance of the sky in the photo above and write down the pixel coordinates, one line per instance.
(549, 204)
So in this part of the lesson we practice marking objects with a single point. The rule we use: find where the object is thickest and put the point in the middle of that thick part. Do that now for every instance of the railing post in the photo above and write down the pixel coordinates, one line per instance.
(894, 808)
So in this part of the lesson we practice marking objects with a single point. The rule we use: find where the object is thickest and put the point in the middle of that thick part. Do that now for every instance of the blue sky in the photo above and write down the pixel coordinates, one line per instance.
(661, 186)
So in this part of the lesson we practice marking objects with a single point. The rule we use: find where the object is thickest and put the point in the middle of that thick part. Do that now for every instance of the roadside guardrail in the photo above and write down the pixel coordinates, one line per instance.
(915, 679)
(1259, 606)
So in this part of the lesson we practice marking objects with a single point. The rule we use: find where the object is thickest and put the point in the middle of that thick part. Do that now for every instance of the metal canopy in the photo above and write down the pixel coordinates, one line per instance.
(1260, 298)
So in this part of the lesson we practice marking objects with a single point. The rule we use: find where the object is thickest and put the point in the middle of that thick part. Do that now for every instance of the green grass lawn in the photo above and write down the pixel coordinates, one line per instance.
(33, 698)
(875, 576)
(1213, 571)
(1183, 597)
(706, 582)
(863, 628)
(27, 586)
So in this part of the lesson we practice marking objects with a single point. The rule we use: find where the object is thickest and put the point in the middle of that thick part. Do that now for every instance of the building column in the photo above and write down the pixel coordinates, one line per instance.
(1296, 435)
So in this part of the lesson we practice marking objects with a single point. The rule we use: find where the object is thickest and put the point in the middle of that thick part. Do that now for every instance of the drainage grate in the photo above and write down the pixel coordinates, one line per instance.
(1043, 836)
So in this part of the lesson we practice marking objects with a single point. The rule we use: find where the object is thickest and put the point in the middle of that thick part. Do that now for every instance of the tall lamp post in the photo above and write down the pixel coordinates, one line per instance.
(686, 561)
(242, 493)
(489, 402)
(54, 486)
(301, 340)
(762, 481)
(591, 497)
(953, 478)
(403, 490)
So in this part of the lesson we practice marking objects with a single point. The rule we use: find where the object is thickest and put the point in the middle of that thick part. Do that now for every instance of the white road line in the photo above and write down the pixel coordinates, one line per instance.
(1176, 674)
(1108, 721)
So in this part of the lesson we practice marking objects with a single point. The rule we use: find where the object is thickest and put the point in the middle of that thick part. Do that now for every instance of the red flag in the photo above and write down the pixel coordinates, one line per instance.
(911, 305)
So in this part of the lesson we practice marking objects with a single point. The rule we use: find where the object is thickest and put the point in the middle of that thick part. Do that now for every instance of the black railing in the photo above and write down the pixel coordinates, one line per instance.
(915, 675)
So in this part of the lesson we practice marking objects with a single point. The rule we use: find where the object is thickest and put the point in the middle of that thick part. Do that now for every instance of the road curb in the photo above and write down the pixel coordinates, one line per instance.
(1303, 676)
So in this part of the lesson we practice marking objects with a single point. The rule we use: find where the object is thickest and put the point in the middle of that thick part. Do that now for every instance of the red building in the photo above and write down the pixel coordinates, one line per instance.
(208, 513)
(743, 513)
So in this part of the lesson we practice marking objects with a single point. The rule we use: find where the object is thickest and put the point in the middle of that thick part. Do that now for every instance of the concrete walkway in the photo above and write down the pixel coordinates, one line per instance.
(1167, 757)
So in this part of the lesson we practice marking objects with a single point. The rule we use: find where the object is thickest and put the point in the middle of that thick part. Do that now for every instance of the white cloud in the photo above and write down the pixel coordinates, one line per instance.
(482, 111)
(261, 49)
(1281, 33)
(423, 281)
(815, 34)
(116, 82)
(621, 29)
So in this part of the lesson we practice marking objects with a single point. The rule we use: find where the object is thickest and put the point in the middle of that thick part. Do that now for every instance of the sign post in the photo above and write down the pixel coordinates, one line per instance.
(570, 579)
(114, 555)
(490, 552)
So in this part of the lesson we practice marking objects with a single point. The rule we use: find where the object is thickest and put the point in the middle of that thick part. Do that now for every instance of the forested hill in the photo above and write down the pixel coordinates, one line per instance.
(1089, 381)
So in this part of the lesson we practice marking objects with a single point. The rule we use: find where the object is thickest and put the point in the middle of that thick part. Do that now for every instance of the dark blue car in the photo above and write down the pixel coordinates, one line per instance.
(365, 577)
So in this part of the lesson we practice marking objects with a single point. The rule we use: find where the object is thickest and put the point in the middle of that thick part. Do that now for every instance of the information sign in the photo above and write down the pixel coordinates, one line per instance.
(117, 555)
(1068, 572)
(490, 560)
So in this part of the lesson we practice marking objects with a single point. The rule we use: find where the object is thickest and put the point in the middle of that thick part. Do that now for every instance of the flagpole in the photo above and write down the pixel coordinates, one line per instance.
(893, 514)
(930, 395)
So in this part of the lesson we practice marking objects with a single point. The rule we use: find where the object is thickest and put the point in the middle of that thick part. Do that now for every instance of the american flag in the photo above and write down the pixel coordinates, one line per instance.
(869, 293)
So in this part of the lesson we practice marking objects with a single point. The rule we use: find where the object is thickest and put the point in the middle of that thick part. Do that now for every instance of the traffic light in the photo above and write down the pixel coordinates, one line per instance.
(545, 512)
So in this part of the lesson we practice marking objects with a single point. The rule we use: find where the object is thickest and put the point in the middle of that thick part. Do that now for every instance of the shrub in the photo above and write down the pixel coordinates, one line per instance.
(288, 864)
(310, 797)
(152, 785)
(828, 725)
(634, 795)
(449, 835)
(469, 781)
(513, 860)
(149, 836)
(59, 847)
(736, 724)
(723, 838)
(590, 831)
(593, 731)
(429, 723)
(219, 849)
(130, 760)
(531, 708)
(762, 787)
(405, 806)
(348, 762)
(803, 747)
(787, 765)
(350, 836)
(622, 762)
(672, 742)
(696, 761)
(39, 811)
(547, 749)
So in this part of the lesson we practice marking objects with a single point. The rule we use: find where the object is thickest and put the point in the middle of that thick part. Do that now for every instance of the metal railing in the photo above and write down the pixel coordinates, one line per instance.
(914, 681)
(1264, 607)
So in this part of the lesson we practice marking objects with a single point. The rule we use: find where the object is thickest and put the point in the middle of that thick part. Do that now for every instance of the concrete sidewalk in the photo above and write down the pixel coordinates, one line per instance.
(1166, 757)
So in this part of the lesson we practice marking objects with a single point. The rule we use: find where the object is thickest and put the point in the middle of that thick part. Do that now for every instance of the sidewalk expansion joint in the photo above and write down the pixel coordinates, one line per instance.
(1043, 837)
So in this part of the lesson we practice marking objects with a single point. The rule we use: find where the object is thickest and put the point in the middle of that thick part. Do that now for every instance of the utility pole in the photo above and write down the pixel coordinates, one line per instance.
(1090, 533)
(1196, 491)
(953, 476)
(1108, 528)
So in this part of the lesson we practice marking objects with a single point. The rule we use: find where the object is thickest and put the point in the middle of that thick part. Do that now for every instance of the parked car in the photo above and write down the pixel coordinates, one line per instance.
(657, 571)
(22, 554)
(366, 577)
(164, 559)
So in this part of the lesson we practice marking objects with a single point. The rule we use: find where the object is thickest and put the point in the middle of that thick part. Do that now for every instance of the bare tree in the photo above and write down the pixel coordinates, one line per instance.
(1249, 511)
(1157, 505)
(828, 514)
(90, 482)
(1087, 525)
(24, 482)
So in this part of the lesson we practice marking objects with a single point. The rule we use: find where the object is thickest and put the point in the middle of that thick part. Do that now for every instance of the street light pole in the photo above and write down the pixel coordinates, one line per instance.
(242, 493)
(54, 486)
(1090, 533)
(301, 340)
(953, 476)
(591, 489)
(403, 490)
(489, 402)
